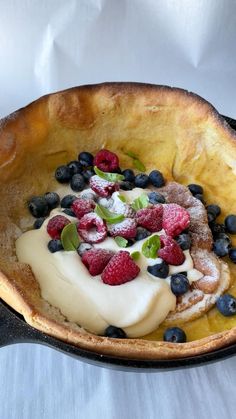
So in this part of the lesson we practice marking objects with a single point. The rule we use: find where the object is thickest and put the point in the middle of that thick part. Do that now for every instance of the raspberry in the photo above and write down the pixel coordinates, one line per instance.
(150, 218)
(126, 229)
(170, 251)
(56, 225)
(82, 206)
(175, 219)
(106, 161)
(96, 260)
(103, 187)
(92, 228)
(120, 269)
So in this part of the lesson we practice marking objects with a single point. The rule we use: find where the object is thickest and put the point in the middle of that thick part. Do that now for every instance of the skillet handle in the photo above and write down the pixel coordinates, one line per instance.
(13, 329)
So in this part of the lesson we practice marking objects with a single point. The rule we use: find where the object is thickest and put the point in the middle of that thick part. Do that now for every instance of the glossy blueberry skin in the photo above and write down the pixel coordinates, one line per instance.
(85, 158)
(63, 174)
(83, 247)
(115, 332)
(52, 199)
(223, 236)
(174, 335)
(156, 198)
(69, 211)
(141, 180)
(129, 175)
(39, 222)
(87, 174)
(230, 224)
(156, 178)
(75, 167)
(214, 209)
(232, 254)
(126, 186)
(67, 201)
(179, 284)
(54, 246)
(211, 217)
(217, 229)
(77, 183)
(142, 233)
(195, 189)
(226, 305)
(221, 247)
(184, 241)
(160, 270)
(38, 206)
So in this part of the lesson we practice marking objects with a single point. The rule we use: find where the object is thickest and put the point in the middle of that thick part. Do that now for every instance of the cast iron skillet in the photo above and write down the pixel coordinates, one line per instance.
(14, 329)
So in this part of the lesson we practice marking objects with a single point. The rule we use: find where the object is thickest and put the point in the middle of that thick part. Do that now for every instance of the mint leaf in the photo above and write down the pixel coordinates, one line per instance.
(110, 217)
(135, 255)
(110, 177)
(141, 202)
(120, 241)
(69, 237)
(151, 246)
(139, 165)
(131, 154)
(122, 198)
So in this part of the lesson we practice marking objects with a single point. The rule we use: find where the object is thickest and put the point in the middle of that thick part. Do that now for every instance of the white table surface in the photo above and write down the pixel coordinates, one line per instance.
(50, 45)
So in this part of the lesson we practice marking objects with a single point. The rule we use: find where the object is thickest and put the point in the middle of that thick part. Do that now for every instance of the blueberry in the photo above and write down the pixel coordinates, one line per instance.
(175, 335)
(85, 158)
(39, 222)
(142, 233)
(77, 183)
(223, 236)
(38, 206)
(156, 198)
(179, 284)
(87, 174)
(67, 201)
(232, 254)
(63, 174)
(141, 180)
(130, 242)
(221, 247)
(195, 189)
(230, 224)
(126, 186)
(75, 167)
(115, 332)
(217, 228)
(69, 211)
(54, 246)
(200, 198)
(161, 270)
(211, 217)
(129, 175)
(184, 241)
(156, 178)
(83, 247)
(214, 209)
(226, 305)
(52, 199)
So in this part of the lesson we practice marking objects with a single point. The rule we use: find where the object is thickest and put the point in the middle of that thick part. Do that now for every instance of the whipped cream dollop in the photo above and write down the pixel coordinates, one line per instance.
(138, 306)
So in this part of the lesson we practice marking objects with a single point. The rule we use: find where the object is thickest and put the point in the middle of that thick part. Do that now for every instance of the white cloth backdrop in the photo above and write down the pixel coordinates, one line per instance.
(55, 44)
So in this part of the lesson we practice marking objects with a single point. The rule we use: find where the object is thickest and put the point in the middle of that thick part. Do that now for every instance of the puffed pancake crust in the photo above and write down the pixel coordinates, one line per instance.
(171, 129)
